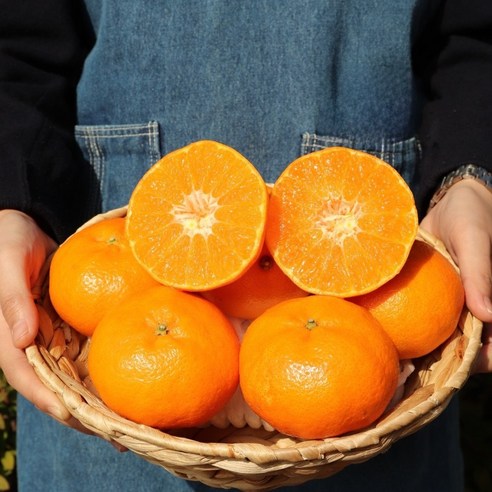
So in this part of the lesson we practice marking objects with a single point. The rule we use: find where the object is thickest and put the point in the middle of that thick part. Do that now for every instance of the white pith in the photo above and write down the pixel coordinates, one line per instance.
(339, 218)
(196, 213)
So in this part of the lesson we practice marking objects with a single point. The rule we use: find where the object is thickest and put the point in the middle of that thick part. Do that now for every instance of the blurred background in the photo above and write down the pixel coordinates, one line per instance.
(476, 432)
(7, 436)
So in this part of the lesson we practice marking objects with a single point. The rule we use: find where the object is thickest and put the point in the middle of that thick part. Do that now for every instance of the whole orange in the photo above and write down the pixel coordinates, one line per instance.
(420, 307)
(92, 271)
(317, 366)
(165, 358)
(263, 285)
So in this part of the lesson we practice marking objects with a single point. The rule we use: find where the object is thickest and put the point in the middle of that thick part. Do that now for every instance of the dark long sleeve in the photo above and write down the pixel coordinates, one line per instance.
(42, 49)
(454, 58)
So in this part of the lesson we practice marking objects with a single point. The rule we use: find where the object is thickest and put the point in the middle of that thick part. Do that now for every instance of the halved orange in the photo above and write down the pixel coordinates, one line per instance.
(341, 222)
(196, 219)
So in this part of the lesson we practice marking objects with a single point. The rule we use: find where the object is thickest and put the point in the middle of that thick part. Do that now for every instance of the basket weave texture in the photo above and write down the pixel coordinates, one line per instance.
(246, 458)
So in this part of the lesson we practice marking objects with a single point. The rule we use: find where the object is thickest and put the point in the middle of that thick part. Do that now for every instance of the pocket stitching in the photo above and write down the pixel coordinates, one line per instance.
(396, 152)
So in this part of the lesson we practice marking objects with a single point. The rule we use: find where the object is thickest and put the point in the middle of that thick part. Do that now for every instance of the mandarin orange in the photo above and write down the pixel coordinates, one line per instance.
(262, 286)
(341, 222)
(421, 306)
(196, 219)
(92, 272)
(317, 366)
(165, 358)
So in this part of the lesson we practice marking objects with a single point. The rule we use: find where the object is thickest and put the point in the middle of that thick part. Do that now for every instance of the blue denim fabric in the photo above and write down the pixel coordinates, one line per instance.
(275, 79)
(255, 74)
(119, 154)
(401, 154)
(58, 459)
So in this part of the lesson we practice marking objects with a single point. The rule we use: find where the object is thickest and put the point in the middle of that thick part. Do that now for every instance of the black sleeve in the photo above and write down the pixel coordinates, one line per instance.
(42, 48)
(454, 58)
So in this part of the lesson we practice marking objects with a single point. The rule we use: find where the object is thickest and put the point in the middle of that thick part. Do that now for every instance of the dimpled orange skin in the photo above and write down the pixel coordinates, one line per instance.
(315, 367)
(165, 358)
(92, 272)
(262, 286)
(419, 308)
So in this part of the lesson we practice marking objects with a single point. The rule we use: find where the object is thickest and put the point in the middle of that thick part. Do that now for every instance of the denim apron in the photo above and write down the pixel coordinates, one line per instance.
(274, 79)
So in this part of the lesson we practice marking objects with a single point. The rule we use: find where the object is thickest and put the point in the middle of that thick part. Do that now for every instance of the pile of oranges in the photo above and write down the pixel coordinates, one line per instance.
(324, 264)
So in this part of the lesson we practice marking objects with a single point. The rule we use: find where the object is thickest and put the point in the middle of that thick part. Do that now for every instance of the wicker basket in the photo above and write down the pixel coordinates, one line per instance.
(249, 458)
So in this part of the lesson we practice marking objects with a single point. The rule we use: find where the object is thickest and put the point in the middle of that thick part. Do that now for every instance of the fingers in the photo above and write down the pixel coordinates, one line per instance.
(463, 221)
(23, 251)
(473, 257)
(16, 302)
(22, 377)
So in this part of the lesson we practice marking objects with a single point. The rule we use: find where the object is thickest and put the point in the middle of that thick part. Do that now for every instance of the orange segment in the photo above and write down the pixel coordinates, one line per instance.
(196, 219)
(341, 222)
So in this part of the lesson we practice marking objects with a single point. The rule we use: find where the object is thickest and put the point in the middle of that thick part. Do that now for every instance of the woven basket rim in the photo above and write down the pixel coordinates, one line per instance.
(262, 451)
(58, 382)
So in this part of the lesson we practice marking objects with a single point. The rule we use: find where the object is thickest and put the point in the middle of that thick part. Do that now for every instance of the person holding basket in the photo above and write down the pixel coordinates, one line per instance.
(92, 93)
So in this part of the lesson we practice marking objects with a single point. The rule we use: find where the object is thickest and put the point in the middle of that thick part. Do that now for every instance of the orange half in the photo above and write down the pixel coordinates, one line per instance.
(196, 219)
(341, 222)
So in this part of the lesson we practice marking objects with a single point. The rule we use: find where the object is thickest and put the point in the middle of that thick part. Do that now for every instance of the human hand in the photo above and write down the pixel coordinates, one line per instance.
(463, 221)
(23, 251)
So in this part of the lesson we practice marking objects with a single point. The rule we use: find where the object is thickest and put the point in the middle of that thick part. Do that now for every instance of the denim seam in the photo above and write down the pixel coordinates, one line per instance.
(392, 145)
(117, 131)
(154, 139)
(123, 126)
(113, 135)
(96, 157)
(397, 153)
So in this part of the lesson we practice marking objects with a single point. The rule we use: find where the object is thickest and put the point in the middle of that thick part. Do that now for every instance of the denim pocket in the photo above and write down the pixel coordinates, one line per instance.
(120, 155)
(400, 154)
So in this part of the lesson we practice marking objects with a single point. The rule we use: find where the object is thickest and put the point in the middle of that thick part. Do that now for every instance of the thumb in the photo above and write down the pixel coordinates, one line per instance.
(23, 251)
(473, 257)
(16, 301)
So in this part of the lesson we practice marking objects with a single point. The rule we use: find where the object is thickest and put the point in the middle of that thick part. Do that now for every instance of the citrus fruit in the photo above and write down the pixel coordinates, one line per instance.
(263, 285)
(420, 307)
(196, 219)
(341, 222)
(317, 366)
(165, 358)
(92, 272)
